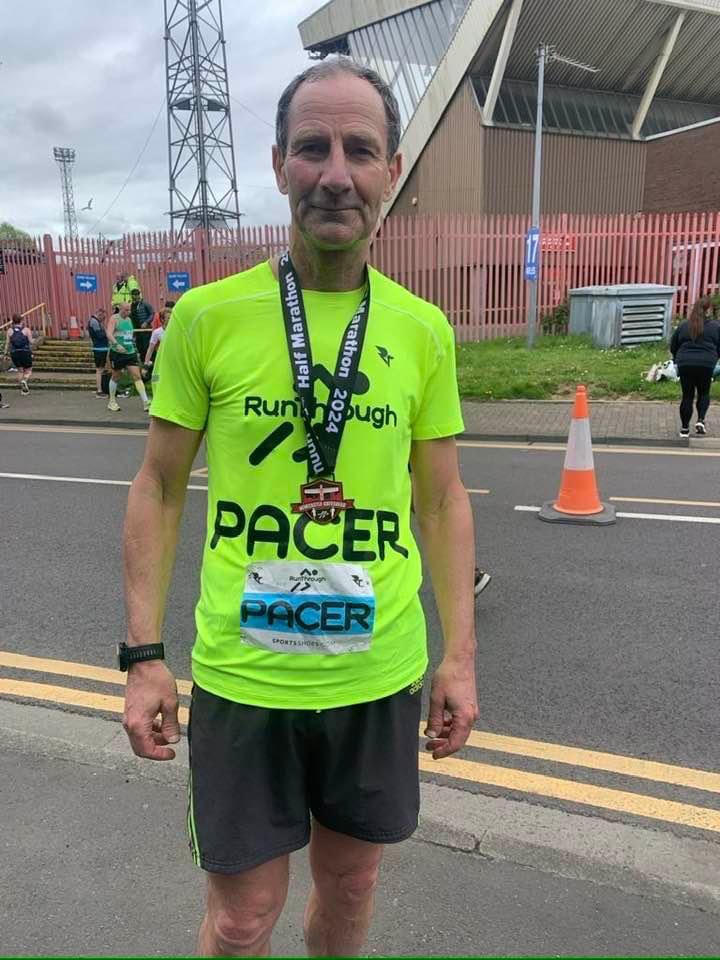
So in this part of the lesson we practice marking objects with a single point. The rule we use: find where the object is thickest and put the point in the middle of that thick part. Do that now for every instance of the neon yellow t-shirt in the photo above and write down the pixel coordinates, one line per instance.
(276, 586)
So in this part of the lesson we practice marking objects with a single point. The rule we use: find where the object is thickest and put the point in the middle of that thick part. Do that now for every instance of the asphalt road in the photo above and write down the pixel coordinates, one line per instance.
(603, 639)
(118, 882)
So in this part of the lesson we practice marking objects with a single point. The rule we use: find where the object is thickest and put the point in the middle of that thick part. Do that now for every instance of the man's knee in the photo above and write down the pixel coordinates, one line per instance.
(352, 887)
(245, 926)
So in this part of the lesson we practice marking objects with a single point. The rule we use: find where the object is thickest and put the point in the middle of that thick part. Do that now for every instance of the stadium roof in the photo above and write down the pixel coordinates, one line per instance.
(652, 56)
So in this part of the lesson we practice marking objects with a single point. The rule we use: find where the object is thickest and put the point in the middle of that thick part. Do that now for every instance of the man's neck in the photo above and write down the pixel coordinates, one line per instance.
(328, 270)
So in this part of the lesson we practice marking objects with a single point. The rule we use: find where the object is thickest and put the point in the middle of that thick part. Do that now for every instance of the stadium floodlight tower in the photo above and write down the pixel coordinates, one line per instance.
(203, 188)
(65, 158)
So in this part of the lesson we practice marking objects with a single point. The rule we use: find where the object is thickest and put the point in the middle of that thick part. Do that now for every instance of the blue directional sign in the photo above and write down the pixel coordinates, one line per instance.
(532, 251)
(178, 281)
(86, 282)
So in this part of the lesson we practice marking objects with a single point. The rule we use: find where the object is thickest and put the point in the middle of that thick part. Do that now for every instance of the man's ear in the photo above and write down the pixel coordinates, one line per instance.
(278, 162)
(395, 167)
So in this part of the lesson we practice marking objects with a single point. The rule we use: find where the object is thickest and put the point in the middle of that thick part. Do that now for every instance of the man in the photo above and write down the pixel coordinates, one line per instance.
(141, 314)
(122, 291)
(123, 356)
(18, 343)
(314, 380)
(100, 346)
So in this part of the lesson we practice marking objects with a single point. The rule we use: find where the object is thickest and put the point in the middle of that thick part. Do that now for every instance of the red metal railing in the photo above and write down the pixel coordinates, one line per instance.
(470, 265)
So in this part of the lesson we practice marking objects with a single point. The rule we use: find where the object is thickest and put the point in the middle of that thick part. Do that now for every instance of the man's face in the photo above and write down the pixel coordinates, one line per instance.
(135, 295)
(124, 310)
(336, 173)
(100, 314)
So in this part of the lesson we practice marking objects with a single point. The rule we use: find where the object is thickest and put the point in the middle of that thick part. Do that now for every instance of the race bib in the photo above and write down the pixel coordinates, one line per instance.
(308, 608)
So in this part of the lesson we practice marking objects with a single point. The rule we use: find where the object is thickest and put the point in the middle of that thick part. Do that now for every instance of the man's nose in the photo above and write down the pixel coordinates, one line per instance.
(336, 174)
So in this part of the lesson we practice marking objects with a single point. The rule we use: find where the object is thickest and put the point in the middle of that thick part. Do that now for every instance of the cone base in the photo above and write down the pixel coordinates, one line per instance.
(602, 519)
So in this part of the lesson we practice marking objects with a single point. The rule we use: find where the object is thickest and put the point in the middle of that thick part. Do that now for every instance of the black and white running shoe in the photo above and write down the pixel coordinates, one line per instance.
(482, 580)
(700, 428)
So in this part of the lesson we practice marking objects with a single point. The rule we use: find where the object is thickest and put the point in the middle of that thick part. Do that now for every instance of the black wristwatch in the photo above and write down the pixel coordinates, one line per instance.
(128, 655)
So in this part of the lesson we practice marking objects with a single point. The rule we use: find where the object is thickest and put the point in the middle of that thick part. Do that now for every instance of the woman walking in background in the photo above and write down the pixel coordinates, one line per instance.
(695, 348)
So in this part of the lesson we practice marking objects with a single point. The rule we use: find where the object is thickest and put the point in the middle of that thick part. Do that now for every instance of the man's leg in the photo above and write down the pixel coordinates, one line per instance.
(242, 910)
(139, 385)
(340, 908)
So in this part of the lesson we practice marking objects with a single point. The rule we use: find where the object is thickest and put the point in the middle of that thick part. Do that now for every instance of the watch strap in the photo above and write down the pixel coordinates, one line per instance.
(128, 655)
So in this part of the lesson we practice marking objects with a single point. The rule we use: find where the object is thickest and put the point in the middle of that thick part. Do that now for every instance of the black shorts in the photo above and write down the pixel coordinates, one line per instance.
(257, 775)
(22, 359)
(100, 358)
(118, 361)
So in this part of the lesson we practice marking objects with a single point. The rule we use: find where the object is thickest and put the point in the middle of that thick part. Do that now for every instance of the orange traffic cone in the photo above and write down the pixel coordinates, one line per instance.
(579, 500)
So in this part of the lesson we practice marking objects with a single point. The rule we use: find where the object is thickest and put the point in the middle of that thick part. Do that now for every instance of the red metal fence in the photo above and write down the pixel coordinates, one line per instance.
(471, 266)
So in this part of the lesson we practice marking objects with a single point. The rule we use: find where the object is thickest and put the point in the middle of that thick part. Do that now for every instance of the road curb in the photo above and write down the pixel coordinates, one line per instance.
(562, 439)
(633, 858)
(478, 437)
(47, 422)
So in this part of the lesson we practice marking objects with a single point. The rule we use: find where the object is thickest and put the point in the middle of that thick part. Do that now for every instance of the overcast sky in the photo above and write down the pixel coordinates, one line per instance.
(91, 76)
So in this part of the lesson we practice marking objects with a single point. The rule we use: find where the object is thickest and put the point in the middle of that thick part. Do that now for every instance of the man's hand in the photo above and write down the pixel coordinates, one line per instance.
(453, 706)
(151, 690)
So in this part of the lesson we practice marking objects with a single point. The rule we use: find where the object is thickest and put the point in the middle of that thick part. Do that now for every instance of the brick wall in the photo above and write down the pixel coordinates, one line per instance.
(682, 172)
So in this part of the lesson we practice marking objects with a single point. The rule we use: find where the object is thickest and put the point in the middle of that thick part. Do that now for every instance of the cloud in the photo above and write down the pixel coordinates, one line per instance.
(96, 80)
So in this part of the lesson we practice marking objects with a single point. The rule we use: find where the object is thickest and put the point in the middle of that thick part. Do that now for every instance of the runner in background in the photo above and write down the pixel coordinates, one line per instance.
(123, 356)
(18, 343)
(163, 319)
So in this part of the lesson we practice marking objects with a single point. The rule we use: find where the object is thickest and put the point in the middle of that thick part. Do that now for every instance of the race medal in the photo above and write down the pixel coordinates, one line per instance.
(322, 500)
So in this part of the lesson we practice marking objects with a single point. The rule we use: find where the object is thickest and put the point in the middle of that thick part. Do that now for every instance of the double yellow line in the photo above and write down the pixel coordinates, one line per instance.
(502, 777)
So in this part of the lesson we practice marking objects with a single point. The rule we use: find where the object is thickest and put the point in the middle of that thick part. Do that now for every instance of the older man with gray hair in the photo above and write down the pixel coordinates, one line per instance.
(314, 380)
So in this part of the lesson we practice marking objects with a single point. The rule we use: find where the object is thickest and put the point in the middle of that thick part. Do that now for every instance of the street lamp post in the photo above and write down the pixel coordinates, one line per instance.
(537, 183)
(545, 54)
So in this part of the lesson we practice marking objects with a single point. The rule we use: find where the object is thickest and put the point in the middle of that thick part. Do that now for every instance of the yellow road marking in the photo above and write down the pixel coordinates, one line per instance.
(517, 746)
(504, 777)
(67, 668)
(69, 696)
(597, 448)
(586, 794)
(47, 428)
(675, 503)
(595, 760)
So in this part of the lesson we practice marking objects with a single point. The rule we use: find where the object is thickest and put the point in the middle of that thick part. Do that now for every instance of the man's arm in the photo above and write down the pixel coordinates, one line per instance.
(155, 506)
(445, 519)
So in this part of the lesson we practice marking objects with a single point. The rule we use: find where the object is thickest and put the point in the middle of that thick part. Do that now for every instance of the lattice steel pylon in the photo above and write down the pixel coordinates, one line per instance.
(201, 156)
(65, 158)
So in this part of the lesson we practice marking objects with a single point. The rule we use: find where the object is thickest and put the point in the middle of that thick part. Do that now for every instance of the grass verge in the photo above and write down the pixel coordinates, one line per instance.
(506, 370)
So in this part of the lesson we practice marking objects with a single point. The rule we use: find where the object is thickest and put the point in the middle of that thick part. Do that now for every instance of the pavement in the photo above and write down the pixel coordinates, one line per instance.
(487, 874)
(613, 421)
(111, 875)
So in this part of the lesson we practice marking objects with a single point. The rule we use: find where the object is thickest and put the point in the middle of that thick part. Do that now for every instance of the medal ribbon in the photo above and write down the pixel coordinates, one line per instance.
(323, 440)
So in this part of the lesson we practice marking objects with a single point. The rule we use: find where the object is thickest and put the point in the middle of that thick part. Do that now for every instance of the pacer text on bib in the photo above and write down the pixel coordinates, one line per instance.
(308, 608)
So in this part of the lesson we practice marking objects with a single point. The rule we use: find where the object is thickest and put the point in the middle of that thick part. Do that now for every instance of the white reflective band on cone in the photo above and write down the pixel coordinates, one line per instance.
(579, 455)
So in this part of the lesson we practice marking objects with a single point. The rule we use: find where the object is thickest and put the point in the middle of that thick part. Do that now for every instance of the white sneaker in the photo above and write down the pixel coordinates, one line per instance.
(114, 406)
(700, 428)
(146, 406)
(24, 388)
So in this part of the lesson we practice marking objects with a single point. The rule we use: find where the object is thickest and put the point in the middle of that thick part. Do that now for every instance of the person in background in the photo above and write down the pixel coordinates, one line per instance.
(695, 348)
(141, 314)
(169, 304)
(123, 356)
(122, 291)
(163, 318)
(100, 346)
(19, 344)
